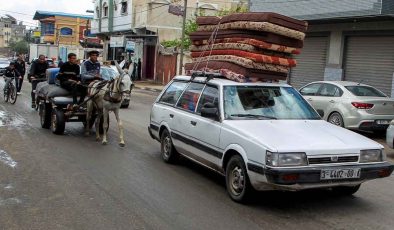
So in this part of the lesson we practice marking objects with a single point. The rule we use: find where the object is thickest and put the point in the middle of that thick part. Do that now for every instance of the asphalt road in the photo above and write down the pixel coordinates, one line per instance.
(73, 182)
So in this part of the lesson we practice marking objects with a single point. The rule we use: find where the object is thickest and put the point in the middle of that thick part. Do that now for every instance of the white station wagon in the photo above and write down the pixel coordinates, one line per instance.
(261, 137)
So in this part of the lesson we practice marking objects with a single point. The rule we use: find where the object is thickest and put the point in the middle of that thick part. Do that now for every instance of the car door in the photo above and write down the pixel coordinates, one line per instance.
(163, 110)
(328, 97)
(309, 92)
(183, 114)
(206, 131)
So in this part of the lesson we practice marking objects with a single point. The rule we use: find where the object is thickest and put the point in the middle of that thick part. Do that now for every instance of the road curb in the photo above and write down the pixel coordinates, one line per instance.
(148, 89)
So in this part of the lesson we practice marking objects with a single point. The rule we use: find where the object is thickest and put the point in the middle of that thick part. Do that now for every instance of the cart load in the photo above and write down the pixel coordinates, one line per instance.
(247, 47)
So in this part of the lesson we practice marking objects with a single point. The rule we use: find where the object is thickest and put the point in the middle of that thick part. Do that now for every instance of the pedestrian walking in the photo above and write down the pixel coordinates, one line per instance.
(139, 67)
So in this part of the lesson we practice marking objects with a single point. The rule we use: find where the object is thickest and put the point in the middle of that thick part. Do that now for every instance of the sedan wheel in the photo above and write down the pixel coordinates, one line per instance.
(237, 181)
(168, 152)
(336, 119)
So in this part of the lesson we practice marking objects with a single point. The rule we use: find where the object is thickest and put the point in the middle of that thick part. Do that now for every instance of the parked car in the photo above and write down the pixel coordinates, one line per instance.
(261, 136)
(4, 63)
(351, 105)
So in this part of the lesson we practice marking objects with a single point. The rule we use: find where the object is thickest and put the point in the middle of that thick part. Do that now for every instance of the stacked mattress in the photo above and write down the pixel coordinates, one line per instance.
(247, 47)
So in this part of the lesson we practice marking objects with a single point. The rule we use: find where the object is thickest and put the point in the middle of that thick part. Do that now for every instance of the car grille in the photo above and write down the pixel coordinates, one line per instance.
(332, 160)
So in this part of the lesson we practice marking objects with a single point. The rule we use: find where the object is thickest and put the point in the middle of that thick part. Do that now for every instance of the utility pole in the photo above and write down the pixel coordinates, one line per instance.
(183, 38)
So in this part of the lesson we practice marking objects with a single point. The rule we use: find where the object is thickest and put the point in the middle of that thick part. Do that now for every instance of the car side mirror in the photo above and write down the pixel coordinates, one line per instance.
(209, 110)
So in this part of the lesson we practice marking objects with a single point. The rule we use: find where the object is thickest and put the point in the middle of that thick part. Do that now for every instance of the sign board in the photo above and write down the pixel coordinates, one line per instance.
(175, 10)
(37, 34)
(116, 41)
(130, 46)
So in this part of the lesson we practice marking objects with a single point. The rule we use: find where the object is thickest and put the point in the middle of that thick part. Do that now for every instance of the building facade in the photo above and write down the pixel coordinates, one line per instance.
(346, 40)
(70, 32)
(144, 24)
(11, 30)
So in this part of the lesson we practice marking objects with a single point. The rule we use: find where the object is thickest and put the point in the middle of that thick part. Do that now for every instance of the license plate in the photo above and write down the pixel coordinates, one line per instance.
(382, 122)
(332, 174)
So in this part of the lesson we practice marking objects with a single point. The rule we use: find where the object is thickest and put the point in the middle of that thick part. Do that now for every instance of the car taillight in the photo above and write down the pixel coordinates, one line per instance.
(360, 105)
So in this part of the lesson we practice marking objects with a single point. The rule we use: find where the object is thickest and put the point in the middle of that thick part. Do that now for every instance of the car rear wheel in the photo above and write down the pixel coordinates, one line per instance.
(345, 190)
(168, 152)
(336, 119)
(237, 180)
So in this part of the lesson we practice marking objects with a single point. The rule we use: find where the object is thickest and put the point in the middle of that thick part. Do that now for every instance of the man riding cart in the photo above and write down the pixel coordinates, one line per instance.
(37, 75)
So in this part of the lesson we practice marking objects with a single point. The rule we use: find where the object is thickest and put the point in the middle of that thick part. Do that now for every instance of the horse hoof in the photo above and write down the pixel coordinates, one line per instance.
(122, 144)
(97, 138)
(104, 143)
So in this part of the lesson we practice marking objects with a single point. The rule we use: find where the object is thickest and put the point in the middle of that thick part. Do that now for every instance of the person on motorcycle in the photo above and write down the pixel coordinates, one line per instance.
(71, 81)
(20, 65)
(11, 73)
(91, 68)
(36, 75)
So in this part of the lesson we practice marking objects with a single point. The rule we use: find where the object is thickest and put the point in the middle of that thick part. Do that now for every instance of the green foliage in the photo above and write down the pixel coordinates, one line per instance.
(191, 26)
(19, 46)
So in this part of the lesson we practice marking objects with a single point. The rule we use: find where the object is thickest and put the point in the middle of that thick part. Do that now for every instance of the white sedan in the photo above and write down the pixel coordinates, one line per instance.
(261, 137)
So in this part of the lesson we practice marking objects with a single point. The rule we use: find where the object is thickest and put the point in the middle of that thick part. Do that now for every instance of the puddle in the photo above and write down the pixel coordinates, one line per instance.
(11, 120)
(6, 159)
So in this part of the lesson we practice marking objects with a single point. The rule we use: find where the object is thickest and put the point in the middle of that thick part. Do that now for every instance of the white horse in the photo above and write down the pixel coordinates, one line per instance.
(105, 99)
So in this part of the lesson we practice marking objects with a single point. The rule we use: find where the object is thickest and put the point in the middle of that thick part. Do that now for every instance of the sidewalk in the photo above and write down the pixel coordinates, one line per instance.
(149, 85)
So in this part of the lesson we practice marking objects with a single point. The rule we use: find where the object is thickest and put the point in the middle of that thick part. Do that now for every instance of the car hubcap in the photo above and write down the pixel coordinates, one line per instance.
(167, 146)
(335, 120)
(237, 180)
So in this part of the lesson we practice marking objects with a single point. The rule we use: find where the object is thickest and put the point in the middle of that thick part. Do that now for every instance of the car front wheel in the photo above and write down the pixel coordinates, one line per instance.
(237, 180)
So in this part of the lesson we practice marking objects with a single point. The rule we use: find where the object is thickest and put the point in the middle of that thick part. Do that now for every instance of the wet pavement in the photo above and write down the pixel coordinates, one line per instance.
(73, 182)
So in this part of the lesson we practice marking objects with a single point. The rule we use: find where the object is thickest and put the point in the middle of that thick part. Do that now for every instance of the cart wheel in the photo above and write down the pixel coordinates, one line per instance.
(58, 121)
(45, 111)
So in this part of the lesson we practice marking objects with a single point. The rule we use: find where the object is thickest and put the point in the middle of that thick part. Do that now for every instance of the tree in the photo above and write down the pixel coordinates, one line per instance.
(191, 26)
(19, 46)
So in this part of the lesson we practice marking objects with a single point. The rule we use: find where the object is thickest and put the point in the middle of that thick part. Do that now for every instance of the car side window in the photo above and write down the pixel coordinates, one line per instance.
(210, 95)
(188, 100)
(310, 90)
(173, 92)
(327, 90)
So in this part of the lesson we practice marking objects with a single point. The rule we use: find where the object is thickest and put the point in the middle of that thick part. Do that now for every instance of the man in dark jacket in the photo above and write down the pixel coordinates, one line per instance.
(90, 69)
(36, 75)
(70, 80)
(11, 73)
(20, 66)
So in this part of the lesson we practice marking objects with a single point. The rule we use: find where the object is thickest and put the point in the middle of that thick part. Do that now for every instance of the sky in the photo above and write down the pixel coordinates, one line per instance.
(23, 10)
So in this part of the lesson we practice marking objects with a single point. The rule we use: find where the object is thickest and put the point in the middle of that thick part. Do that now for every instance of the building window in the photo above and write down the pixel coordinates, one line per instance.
(123, 10)
(65, 31)
(97, 12)
(105, 9)
(47, 28)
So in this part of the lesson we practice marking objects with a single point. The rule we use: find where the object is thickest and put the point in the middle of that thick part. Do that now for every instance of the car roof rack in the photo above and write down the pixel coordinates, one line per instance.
(209, 75)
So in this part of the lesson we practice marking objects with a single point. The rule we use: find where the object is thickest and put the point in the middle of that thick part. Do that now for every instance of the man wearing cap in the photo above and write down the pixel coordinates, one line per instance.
(91, 68)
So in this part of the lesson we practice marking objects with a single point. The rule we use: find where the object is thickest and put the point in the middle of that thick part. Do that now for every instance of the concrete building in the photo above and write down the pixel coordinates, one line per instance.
(143, 24)
(11, 30)
(70, 32)
(346, 40)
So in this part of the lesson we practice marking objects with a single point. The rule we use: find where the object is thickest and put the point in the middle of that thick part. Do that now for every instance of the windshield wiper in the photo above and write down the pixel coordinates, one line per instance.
(254, 116)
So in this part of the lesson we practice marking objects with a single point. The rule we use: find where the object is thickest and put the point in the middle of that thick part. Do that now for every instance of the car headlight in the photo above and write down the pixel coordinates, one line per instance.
(285, 159)
(372, 155)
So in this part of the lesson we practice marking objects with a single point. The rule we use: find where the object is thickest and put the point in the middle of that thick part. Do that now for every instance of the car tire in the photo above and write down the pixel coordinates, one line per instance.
(237, 181)
(345, 190)
(58, 121)
(336, 119)
(45, 111)
(168, 151)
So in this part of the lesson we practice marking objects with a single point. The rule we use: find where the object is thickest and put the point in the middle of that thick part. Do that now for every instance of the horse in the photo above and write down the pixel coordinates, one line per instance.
(106, 97)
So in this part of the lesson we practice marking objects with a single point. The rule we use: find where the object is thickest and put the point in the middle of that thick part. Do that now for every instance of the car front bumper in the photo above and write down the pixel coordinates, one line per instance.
(307, 178)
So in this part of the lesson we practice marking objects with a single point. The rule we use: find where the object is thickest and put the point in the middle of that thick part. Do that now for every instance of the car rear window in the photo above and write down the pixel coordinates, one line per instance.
(364, 91)
(173, 92)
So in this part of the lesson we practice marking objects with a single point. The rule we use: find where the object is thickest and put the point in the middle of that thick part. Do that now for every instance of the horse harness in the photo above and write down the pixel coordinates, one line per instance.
(109, 93)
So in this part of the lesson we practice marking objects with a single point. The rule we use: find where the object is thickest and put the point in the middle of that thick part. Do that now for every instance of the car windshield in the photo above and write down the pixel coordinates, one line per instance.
(364, 91)
(266, 102)
(108, 73)
(4, 62)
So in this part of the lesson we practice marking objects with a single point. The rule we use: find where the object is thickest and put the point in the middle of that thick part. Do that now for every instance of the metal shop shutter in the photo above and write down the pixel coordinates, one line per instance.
(370, 60)
(311, 63)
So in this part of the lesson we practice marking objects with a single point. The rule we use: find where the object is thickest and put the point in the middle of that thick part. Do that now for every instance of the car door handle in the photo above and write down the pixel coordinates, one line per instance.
(193, 123)
(172, 115)
(332, 101)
